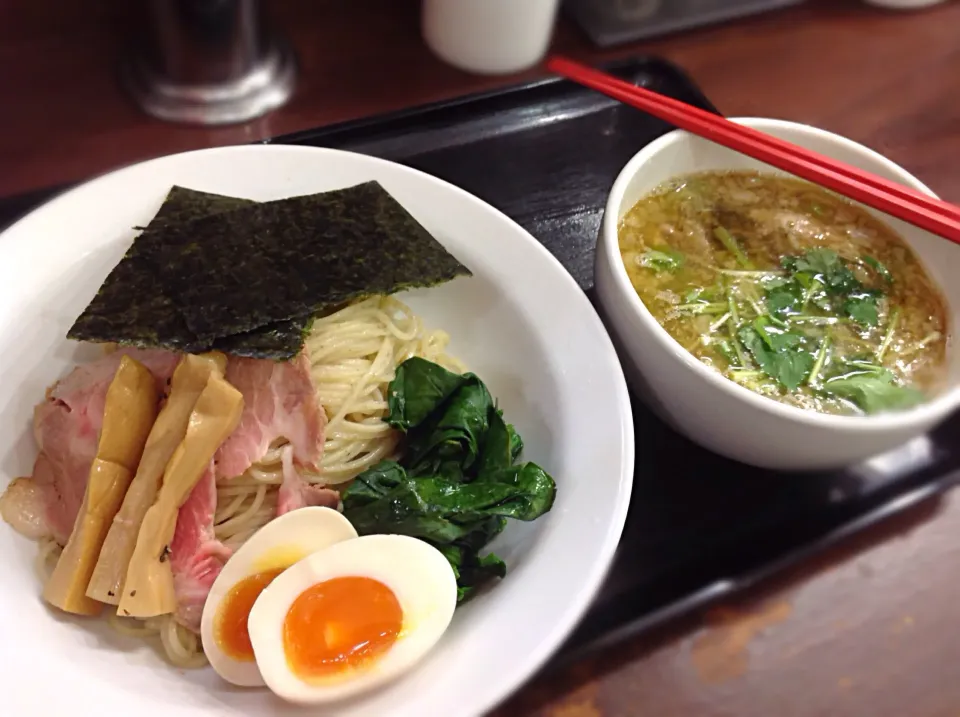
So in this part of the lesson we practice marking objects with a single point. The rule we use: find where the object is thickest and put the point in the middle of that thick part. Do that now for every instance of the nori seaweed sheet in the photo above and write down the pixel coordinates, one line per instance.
(278, 341)
(296, 257)
(247, 278)
(131, 306)
(184, 205)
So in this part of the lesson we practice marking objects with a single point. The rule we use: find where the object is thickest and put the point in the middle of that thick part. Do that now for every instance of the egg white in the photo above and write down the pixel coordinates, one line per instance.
(279, 544)
(417, 573)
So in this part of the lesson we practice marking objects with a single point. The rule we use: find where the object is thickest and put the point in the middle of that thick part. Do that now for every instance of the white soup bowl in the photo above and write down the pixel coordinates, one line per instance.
(714, 411)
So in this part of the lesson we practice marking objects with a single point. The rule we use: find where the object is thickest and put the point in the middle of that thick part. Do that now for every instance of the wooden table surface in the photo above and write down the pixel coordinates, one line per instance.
(866, 630)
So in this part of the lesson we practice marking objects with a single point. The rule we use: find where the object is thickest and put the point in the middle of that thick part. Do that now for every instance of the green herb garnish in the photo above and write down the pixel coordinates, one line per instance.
(663, 259)
(779, 355)
(862, 308)
(841, 292)
(784, 297)
(873, 391)
(878, 267)
(731, 245)
(826, 266)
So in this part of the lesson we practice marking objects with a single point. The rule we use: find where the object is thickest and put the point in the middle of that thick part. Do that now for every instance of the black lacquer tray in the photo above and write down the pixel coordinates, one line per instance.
(700, 527)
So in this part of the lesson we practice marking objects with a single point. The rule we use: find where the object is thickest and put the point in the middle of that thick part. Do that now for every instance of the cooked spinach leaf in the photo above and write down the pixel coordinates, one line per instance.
(458, 481)
(417, 390)
(471, 570)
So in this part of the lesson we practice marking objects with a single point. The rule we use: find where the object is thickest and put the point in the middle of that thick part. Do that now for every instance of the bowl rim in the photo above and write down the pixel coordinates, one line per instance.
(926, 413)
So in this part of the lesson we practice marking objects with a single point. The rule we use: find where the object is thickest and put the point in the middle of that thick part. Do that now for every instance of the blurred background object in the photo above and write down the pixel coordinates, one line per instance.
(611, 22)
(904, 4)
(489, 37)
(207, 62)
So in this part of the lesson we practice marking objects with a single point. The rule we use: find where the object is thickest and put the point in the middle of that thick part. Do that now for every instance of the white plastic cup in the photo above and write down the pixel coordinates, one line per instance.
(489, 37)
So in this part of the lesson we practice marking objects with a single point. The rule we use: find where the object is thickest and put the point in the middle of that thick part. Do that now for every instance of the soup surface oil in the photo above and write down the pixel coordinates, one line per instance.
(789, 290)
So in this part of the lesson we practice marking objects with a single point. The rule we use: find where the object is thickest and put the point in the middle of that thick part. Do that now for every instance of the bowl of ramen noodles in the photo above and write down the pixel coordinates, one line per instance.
(288, 431)
(773, 321)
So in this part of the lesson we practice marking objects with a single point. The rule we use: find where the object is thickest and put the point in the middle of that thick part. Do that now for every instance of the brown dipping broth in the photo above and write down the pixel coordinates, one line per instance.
(789, 290)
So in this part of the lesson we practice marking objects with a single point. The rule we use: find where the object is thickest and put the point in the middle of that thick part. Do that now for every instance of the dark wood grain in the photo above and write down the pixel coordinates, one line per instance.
(865, 630)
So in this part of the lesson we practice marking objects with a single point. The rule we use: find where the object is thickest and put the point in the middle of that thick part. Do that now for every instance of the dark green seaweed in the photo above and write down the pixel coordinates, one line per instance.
(295, 257)
(458, 481)
(247, 278)
(132, 306)
(278, 341)
(184, 205)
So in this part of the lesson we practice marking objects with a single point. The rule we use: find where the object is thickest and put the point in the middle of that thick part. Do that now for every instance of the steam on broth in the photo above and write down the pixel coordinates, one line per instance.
(788, 290)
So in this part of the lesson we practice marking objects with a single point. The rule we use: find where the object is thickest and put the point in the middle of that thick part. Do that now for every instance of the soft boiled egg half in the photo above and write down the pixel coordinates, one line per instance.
(271, 550)
(351, 617)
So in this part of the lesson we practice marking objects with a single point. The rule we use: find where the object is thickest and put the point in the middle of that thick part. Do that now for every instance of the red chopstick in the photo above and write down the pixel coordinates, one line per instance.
(564, 67)
(913, 207)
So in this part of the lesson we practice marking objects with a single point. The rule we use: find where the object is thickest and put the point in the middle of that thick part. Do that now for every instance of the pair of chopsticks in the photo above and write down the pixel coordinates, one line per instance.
(911, 206)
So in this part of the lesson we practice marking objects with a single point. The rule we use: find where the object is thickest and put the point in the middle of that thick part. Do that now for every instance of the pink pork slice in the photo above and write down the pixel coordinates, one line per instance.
(67, 428)
(279, 401)
(196, 556)
(295, 492)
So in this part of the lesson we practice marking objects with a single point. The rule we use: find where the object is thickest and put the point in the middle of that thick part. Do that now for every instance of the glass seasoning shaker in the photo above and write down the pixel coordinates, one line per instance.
(207, 62)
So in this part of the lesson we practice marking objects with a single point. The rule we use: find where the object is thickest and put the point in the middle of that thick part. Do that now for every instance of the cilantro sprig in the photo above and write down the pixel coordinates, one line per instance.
(823, 273)
(662, 259)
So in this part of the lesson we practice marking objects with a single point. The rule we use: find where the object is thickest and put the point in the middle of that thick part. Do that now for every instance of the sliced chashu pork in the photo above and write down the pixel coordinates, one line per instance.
(67, 427)
(295, 492)
(279, 402)
(196, 556)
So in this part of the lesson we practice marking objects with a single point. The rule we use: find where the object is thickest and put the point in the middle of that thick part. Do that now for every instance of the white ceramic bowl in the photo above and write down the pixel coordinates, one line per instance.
(520, 322)
(712, 410)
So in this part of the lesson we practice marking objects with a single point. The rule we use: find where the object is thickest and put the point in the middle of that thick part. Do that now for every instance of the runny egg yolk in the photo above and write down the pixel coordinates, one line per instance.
(340, 624)
(230, 624)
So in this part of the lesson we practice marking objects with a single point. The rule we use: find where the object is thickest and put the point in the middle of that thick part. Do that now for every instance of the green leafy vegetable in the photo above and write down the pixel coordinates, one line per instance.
(873, 391)
(444, 435)
(416, 391)
(850, 296)
(818, 361)
(727, 350)
(441, 510)
(780, 356)
(662, 259)
(458, 481)
(784, 297)
(862, 308)
(731, 245)
(879, 267)
(826, 266)
(473, 571)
